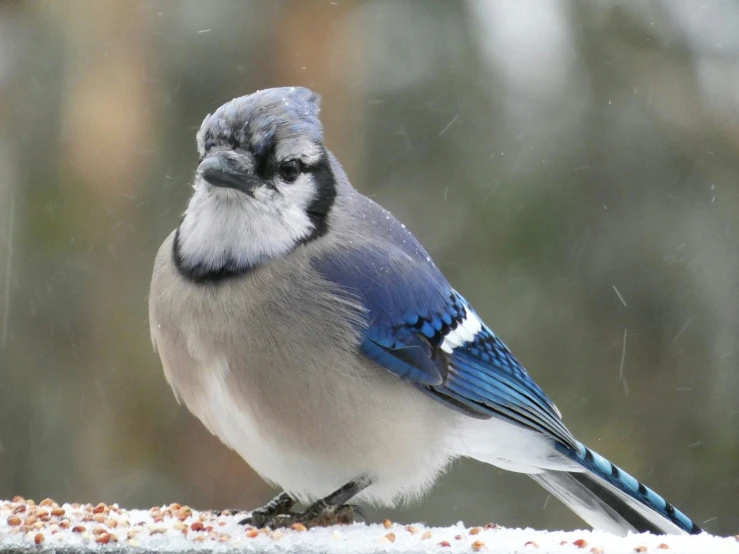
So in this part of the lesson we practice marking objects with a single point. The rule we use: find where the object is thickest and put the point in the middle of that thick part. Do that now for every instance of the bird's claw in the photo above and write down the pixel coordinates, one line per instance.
(282, 504)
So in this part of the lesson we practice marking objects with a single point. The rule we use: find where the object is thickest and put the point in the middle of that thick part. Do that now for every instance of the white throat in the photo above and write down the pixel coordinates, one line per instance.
(226, 229)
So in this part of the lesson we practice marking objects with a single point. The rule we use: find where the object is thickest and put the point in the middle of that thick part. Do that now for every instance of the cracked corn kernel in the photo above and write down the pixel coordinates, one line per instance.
(38, 538)
(477, 545)
(390, 537)
(387, 524)
(426, 535)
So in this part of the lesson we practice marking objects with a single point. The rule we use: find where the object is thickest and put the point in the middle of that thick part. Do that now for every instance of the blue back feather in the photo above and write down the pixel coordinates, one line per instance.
(411, 309)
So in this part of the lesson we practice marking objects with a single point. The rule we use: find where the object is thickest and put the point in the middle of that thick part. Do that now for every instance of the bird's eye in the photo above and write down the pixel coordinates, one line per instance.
(289, 170)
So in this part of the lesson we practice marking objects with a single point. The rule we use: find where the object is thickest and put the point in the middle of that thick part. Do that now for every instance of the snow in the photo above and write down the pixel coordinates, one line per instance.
(49, 527)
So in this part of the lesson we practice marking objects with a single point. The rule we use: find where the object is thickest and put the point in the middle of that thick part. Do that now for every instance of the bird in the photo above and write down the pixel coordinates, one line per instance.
(311, 332)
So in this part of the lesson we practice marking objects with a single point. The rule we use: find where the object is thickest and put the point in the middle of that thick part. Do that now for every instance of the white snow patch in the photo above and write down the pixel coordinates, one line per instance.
(178, 529)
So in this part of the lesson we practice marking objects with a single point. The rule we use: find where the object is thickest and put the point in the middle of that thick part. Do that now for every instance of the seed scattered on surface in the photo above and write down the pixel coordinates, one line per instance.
(99, 509)
(475, 530)
(252, 533)
(103, 538)
(158, 531)
(79, 529)
(390, 537)
(596, 550)
(299, 527)
(531, 543)
(39, 538)
(47, 502)
(663, 546)
(457, 537)
(387, 524)
(183, 513)
(197, 526)
(426, 535)
(478, 545)
(19, 509)
(444, 544)
(98, 518)
(14, 521)
(57, 512)
(489, 526)
(412, 530)
(580, 543)
(275, 535)
(17, 499)
(640, 549)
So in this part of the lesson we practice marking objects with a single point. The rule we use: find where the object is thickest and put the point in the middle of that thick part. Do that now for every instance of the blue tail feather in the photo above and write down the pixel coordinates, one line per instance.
(617, 478)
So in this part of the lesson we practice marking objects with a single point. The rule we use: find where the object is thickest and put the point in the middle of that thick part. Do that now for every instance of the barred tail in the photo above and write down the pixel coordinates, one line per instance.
(608, 498)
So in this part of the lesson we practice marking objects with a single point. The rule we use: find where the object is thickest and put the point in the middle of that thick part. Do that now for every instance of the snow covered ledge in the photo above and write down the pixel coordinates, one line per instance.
(28, 527)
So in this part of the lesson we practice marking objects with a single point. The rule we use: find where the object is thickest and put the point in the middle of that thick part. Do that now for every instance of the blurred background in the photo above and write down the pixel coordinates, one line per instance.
(572, 166)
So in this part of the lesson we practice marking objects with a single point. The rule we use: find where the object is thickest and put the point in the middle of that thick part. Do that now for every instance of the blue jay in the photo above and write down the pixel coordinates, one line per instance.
(310, 331)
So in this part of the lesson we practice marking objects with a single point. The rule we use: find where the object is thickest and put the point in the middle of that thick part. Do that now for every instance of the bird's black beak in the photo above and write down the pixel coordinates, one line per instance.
(219, 171)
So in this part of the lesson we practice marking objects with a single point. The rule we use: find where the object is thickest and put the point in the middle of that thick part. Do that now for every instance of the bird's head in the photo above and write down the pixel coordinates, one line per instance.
(263, 187)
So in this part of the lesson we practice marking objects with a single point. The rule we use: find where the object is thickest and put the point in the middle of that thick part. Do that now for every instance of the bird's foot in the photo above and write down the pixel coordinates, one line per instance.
(280, 505)
(331, 510)
(318, 514)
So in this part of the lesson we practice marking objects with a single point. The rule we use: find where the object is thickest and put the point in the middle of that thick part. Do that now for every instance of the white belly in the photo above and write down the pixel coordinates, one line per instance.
(384, 429)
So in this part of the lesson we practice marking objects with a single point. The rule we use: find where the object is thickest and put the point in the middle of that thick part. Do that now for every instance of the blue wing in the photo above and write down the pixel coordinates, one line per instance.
(424, 331)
